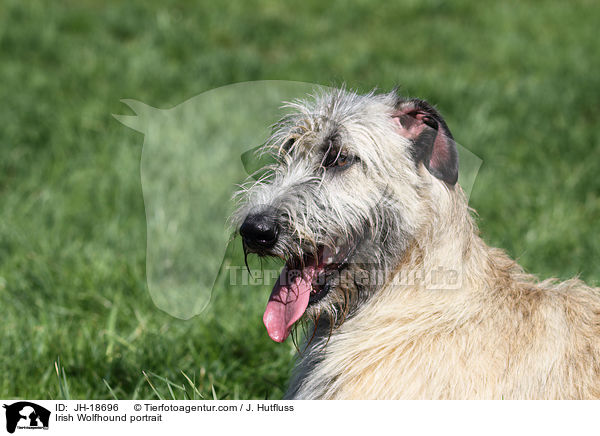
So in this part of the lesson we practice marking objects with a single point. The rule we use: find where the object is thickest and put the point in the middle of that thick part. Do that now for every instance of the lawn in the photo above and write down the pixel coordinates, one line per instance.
(518, 83)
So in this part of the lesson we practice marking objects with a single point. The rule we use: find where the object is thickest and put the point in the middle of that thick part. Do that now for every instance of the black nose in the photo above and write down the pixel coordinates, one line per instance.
(259, 231)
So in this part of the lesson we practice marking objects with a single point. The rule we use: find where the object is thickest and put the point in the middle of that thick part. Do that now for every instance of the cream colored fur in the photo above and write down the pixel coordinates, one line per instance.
(501, 335)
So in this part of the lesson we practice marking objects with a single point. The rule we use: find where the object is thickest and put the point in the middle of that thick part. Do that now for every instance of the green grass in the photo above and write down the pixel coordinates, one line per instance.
(518, 83)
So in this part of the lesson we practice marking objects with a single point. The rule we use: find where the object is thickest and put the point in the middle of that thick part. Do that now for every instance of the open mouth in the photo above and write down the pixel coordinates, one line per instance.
(302, 282)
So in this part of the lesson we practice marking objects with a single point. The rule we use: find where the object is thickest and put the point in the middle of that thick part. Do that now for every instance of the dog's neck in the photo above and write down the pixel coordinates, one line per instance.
(446, 244)
(440, 266)
(408, 308)
(444, 268)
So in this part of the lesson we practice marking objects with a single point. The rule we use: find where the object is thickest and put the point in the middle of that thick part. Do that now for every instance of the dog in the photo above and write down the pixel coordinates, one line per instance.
(361, 200)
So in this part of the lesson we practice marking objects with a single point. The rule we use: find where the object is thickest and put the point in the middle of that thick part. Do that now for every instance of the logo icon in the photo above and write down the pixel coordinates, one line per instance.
(26, 415)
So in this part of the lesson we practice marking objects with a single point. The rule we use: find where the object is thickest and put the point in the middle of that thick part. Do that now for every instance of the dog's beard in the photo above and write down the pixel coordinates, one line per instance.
(325, 282)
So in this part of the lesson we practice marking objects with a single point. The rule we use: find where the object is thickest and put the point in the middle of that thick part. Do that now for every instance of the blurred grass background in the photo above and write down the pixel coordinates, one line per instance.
(518, 83)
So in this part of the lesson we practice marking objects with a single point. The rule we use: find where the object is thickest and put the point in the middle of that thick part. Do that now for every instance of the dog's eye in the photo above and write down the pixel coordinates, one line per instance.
(342, 160)
(337, 159)
(335, 155)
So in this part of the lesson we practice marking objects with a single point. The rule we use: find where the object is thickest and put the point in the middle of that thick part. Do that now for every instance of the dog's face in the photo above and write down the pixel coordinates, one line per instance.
(344, 199)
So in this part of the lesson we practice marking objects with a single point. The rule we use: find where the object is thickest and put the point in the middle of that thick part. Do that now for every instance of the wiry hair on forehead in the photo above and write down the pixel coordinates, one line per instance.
(325, 110)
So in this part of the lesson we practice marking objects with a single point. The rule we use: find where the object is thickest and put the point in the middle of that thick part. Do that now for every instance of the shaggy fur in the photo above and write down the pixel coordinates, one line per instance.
(494, 332)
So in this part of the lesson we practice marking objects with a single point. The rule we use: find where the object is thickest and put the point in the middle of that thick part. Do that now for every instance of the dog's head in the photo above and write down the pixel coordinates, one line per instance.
(351, 188)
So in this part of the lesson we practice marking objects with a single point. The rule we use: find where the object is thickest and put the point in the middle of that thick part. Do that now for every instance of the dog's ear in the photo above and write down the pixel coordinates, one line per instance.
(432, 141)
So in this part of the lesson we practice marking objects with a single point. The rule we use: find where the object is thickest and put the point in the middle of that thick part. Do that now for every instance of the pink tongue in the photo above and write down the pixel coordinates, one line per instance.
(287, 302)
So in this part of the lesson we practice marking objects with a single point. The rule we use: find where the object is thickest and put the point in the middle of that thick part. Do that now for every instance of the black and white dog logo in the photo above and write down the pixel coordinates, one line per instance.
(26, 415)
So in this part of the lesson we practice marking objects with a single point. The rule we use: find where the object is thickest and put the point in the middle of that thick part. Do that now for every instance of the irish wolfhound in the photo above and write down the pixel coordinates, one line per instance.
(363, 204)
